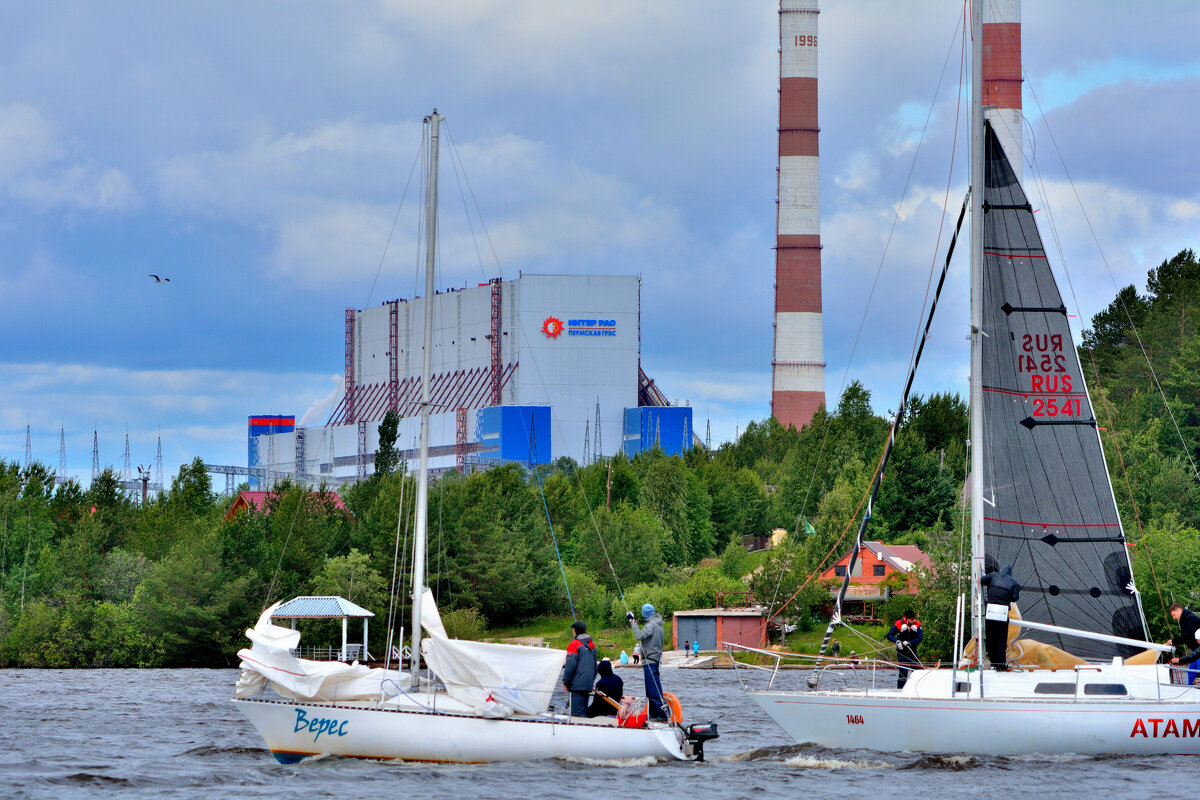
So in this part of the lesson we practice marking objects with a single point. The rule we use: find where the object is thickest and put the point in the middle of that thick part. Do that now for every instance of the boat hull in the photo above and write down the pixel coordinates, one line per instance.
(294, 731)
(894, 722)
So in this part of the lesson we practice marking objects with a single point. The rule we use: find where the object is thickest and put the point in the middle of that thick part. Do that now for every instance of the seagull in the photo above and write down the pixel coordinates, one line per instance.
(160, 280)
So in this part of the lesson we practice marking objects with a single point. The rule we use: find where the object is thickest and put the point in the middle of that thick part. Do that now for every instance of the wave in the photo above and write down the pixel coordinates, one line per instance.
(808, 762)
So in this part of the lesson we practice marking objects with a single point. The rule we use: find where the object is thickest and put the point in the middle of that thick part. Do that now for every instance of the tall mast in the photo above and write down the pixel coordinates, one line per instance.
(977, 189)
(421, 521)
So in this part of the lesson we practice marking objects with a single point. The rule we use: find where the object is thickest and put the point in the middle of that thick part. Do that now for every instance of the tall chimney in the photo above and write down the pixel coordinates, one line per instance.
(798, 367)
(1002, 75)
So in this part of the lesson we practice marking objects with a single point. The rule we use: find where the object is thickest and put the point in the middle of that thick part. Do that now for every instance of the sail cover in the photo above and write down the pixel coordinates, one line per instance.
(1048, 504)
(494, 679)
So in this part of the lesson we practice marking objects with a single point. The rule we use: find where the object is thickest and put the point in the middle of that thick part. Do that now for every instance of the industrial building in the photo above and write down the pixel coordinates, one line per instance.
(526, 370)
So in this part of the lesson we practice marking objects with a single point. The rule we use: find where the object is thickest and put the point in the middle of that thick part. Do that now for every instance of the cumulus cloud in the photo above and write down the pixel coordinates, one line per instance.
(36, 168)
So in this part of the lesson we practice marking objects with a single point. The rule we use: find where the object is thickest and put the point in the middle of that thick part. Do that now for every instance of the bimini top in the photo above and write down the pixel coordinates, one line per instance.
(319, 608)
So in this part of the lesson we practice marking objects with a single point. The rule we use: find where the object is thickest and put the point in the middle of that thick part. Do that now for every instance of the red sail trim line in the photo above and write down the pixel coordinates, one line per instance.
(1035, 394)
(1055, 524)
(1013, 255)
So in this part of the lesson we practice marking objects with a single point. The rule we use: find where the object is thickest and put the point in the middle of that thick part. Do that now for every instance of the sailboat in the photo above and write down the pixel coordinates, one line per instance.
(1086, 679)
(481, 702)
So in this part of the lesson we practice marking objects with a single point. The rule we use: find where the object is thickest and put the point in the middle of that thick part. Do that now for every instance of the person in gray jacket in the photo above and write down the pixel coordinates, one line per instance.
(579, 671)
(650, 637)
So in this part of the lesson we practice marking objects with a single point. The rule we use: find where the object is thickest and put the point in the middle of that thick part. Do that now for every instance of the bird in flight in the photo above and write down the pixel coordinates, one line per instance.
(160, 280)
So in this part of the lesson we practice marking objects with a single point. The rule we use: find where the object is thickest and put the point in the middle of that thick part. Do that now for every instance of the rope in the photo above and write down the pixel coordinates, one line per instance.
(562, 570)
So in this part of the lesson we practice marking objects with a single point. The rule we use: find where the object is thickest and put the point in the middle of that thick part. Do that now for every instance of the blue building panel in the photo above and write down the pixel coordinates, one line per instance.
(518, 434)
(668, 427)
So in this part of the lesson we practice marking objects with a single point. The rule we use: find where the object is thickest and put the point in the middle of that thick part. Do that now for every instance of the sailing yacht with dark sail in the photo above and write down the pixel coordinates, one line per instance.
(1085, 680)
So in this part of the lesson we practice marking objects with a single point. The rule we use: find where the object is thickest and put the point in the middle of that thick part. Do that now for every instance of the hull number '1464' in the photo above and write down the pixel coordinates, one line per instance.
(854, 719)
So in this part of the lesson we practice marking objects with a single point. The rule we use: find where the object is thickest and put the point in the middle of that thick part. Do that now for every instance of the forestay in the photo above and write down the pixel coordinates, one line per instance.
(494, 679)
(1048, 503)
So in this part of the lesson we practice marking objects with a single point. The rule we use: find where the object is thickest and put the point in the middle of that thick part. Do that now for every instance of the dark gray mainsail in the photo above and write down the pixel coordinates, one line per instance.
(1048, 504)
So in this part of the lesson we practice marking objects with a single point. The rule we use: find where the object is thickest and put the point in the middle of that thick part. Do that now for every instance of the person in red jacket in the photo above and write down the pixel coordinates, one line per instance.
(579, 672)
(906, 634)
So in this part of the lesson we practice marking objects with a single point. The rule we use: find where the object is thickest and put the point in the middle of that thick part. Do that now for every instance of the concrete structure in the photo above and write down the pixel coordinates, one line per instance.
(569, 344)
(798, 365)
(1002, 75)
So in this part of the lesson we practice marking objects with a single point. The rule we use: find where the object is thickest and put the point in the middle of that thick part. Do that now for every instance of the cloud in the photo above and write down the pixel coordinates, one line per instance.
(190, 407)
(36, 168)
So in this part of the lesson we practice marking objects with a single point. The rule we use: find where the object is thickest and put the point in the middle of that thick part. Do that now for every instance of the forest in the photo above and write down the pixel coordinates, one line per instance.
(91, 578)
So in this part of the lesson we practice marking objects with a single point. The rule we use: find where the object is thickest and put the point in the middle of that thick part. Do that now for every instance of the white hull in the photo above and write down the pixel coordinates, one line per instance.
(1010, 720)
(295, 730)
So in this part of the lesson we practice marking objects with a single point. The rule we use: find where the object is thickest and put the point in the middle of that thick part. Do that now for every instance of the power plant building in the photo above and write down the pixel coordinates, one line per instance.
(525, 370)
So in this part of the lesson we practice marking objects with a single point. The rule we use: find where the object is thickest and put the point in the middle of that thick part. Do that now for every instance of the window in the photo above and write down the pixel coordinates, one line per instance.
(840, 570)
(1109, 689)
(1054, 688)
(878, 570)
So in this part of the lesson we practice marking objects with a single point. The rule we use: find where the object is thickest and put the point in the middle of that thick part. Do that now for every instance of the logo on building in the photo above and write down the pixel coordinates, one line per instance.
(552, 327)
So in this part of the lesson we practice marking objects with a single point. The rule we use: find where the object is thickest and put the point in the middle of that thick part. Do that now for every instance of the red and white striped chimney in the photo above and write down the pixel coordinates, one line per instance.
(798, 367)
(1002, 74)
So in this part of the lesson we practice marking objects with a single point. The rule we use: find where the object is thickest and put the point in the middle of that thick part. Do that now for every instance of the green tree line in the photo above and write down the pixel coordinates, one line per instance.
(88, 577)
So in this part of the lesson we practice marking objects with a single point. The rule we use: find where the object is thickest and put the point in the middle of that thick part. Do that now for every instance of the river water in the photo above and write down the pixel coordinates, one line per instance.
(174, 734)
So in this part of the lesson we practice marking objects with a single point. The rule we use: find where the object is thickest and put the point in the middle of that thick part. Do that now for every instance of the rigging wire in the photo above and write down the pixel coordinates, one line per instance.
(1113, 280)
(919, 340)
(955, 38)
(1114, 440)
(395, 220)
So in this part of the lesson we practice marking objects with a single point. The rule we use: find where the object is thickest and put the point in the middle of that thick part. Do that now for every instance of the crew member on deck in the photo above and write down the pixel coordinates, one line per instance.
(1189, 637)
(609, 686)
(579, 672)
(1002, 590)
(906, 634)
(650, 638)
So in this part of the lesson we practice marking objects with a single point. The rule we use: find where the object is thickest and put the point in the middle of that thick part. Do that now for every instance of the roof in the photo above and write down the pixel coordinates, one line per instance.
(900, 557)
(256, 501)
(753, 611)
(322, 607)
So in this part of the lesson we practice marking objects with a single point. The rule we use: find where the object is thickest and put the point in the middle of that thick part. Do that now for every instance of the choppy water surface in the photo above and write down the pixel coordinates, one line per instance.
(174, 734)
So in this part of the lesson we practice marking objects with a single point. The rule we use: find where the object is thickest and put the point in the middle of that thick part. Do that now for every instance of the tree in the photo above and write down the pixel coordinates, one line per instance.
(386, 457)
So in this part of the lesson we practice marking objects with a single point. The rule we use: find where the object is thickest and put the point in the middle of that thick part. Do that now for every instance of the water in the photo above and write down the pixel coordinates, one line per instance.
(174, 734)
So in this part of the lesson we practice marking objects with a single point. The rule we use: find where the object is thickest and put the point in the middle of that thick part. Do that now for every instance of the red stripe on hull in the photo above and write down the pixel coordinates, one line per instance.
(795, 409)
(1002, 64)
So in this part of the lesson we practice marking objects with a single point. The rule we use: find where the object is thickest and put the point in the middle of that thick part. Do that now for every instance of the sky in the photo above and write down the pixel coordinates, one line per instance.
(257, 153)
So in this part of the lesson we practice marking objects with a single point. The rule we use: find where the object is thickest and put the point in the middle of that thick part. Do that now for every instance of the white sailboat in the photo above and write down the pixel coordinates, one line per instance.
(488, 702)
(1049, 513)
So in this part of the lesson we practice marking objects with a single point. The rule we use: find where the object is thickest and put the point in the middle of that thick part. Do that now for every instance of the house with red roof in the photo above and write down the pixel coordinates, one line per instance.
(257, 501)
(869, 582)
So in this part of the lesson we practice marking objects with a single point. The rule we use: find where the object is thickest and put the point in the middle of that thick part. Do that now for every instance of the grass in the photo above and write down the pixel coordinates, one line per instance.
(556, 631)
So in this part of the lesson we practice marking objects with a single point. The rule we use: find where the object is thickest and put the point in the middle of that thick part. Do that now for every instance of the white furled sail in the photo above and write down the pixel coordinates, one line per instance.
(494, 679)
(269, 661)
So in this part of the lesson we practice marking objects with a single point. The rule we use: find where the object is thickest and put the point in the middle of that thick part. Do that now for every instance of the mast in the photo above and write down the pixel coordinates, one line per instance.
(977, 190)
(421, 522)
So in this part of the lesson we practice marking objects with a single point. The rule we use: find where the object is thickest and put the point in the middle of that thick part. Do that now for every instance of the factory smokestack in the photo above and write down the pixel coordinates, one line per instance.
(798, 367)
(1002, 75)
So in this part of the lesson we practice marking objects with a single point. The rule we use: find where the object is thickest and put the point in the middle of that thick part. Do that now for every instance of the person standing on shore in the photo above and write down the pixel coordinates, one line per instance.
(650, 638)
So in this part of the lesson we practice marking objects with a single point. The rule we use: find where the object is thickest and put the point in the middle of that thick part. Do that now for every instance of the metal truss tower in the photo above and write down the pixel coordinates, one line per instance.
(587, 443)
(95, 454)
(61, 477)
(28, 447)
(598, 445)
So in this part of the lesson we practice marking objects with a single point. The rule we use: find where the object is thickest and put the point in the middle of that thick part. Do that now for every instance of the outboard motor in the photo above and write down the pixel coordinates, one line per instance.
(697, 734)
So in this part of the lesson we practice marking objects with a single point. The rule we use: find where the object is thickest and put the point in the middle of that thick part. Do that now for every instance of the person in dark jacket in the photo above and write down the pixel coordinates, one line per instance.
(906, 633)
(579, 672)
(609, 686)
(1189, 637)
(1002, 591)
